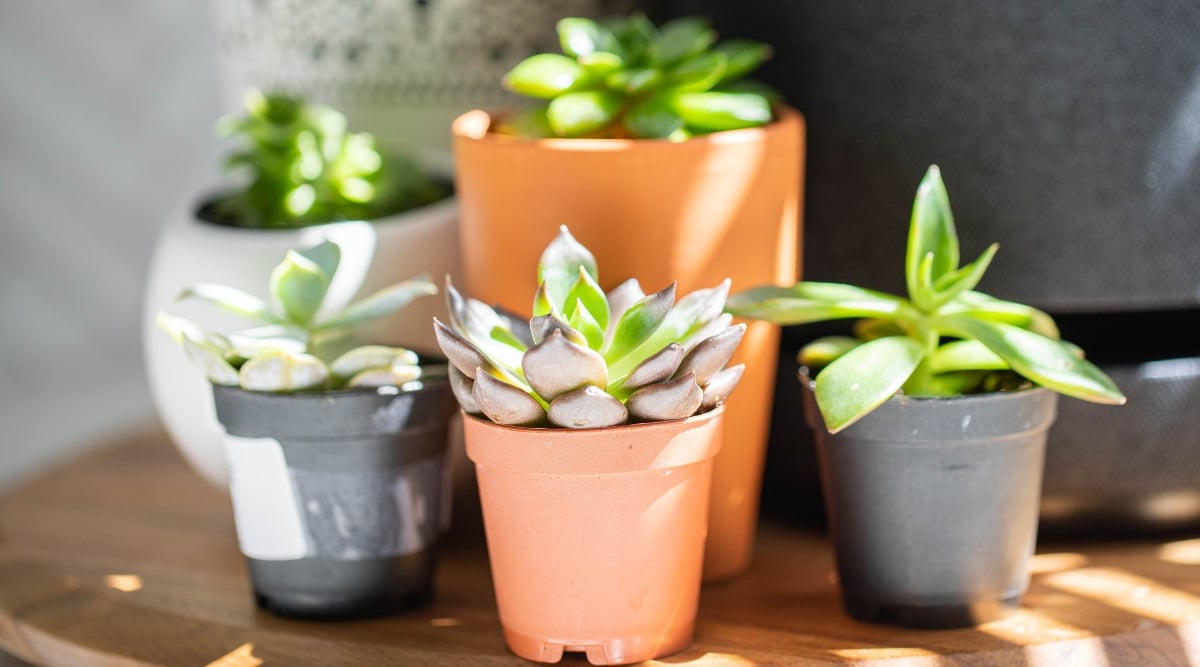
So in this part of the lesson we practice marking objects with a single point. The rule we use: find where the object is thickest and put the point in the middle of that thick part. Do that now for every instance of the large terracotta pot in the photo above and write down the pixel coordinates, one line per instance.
(596, 536)
(698, 211)
(190, 250)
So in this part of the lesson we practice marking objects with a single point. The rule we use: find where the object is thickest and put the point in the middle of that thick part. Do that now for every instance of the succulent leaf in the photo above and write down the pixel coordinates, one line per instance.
(742, 57)
(460, 351)
(545, 75)
(389, 376)
(368, 357)
(813, 302)
(232, 300)
(620, 298)
(982, 306)
(710, 328)
(657, 368)
(249, 342)
(298, 286)
(721, 386)
(582, 37)
(718, 111)
(931, 231)
(504, 403)
(862, 379)
(560, 266)
(638, 323)
(822, 351)
(711, 354)
(698, 74)
(587, 291)
(556, 366)
(463, 388)
(578, 113)
(965, 355)
(678, 398)
(277, 370)
(954, 283)
(587, 407)
(654, 117)
(681, 38)
(582, 321)
(380, 304)
(326, 254)
(542, 327)
(210, 358)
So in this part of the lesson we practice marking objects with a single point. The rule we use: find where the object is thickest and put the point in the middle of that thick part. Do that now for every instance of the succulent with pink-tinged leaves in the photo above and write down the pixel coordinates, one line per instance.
(589, 359)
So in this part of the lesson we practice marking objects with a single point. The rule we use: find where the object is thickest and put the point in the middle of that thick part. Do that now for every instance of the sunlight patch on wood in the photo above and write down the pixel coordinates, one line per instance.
(242, 656)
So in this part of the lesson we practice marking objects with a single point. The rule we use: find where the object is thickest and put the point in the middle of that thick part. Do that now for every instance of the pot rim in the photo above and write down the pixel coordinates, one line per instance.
(209, 196)
(558, 431)
(810, 383)
(410, 387)
(475, 126)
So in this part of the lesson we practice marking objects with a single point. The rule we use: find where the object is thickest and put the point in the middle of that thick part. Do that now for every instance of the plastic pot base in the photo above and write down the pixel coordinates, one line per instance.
(932, 617)
(324, 608)
(611, 652)
(322, 588)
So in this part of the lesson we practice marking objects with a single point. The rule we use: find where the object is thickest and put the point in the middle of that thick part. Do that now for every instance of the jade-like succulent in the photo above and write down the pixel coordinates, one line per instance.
(945, 339)
(295, 350)
(305, 167)
(589, 359)
(627, 78)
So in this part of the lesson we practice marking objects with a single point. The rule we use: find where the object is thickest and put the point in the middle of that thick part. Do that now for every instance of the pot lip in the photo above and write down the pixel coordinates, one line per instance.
(411, 387)
(209, 196)
(590, 432)
(474, 127)
(809, 383)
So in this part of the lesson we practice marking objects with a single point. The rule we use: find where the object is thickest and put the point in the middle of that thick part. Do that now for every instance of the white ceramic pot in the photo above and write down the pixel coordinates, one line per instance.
(374, 255)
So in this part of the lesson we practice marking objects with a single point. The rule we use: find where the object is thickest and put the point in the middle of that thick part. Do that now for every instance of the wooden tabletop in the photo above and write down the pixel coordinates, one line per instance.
(125, 557)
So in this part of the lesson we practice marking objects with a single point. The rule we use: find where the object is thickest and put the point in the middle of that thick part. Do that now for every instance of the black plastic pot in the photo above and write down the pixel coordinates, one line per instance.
(340, 497)
(933, 504)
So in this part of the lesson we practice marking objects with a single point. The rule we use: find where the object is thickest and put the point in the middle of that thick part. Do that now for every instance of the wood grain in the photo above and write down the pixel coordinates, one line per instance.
(125, 557)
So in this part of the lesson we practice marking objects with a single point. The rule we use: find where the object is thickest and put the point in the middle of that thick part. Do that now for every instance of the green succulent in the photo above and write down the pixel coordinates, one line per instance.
(295, 350)
(627, 78)
(945, 339)
(589, 359)
(305, 167)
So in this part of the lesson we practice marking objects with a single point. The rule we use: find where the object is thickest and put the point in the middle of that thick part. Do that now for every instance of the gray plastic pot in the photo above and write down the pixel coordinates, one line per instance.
(339, 497)
(933, 504)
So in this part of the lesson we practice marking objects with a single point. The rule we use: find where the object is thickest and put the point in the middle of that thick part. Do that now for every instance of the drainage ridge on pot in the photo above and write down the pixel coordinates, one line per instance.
(933, 504)
(596, 536)
(340, 497)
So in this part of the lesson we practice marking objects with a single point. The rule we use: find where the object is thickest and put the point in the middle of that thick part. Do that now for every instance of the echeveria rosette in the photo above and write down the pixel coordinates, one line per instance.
(305, 166)
(587, 359)
(296, 349)
(627, 78)
(945, 339)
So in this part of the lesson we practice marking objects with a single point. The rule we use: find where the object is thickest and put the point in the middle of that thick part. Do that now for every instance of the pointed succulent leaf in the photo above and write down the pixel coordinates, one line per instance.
(384, 302)
(541, 303)
(516, 325)
(1043, 360)
(982, 306)
(965, 355)
(250, 342)
(680, 39)
(687, 317)
(587, 407)
(504, 336)
(578, 113)
(542, 327)
(742, 57)
(232, 300)
(954, 283)
(864, 378)
(870, 328)
(456, 306)
(712, 328)
(922, 294)
(545, 75)
(327, 255)
(620, 298)
(179, 328)
(211, 359)
(822, 351)
(635, 33)
(657, 368)
(721, 385)
(599, 64)
(638, 323)
(634, 80)
(556, 366)
(582, 321)
(504, 403)
(387, 376)
(699, 73)
(931, 231)
(462, 354)
(808, 302)
(463, 388)
(588, 291)
(276, 370)
(366, 357)
(582, 36)
(674, 399)
(718, 111)
(298, 285)
(559, 267)
(479, 325)
(711, 354)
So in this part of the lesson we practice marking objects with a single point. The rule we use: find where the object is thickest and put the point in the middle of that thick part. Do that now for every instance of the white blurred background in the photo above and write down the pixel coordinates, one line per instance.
(105, 129)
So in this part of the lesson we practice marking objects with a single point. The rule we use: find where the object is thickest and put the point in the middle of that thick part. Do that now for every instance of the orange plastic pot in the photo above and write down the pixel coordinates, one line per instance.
(596, 537)
(724, 205)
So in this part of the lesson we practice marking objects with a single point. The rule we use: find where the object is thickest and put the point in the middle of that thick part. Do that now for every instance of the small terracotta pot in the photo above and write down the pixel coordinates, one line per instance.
(596, 537)
(724, 205)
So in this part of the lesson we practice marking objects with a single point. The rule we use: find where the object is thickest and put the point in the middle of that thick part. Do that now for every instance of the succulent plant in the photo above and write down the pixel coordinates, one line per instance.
(306, 167)
(945, 339)
(588, 359)
(627, 78)
(295, 350)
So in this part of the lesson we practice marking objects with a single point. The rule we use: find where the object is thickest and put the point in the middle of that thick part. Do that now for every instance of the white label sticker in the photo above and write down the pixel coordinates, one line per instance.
(264, 501)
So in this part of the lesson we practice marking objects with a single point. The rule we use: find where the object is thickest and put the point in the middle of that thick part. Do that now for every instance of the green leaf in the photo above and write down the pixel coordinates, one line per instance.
(582, 321)
(952, 284)
(931, 230)
(981, 306)
(382, 303)
(742, 57)
(865, 378)
(686, 318)
(822, 351)
(637, 324)
(362, 358)
(277, 370)
(869, 328)
(922, 294)
(210, 358)
(298, 285)
(965, 355)
(634, 81)
(581, 37)
(587, 291)
(653, 118)
(541, 303)
(635, 34)
(809, 301)
(545, 75)
(232, 300)
(327, 255)
(698, 74)
(751, 87)
(577, 114)
(531, 123)
(559, 267)
(249, 342)
(1043, 360)
(714, 112)
(681, 38)
(600, 64)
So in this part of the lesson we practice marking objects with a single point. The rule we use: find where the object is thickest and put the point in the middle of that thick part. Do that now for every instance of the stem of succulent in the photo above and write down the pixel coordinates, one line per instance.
(921, 383)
